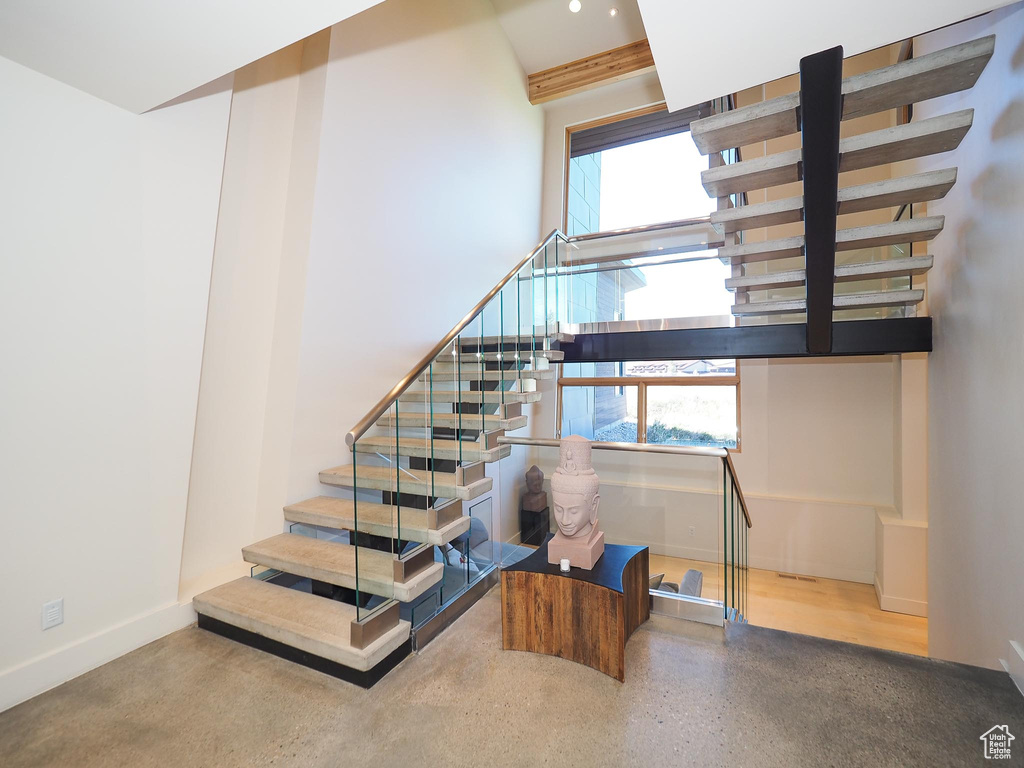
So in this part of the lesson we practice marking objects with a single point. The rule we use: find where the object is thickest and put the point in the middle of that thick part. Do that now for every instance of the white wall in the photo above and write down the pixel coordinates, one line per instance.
(428, 192)
(105, 252)
(975, 415)
(247, 394)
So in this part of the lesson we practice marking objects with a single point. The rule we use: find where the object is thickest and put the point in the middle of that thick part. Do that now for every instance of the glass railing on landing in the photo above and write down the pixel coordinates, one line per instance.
(684, 503)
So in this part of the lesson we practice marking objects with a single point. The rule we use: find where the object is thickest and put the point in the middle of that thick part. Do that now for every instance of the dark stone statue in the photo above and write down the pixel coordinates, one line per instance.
(534, 518)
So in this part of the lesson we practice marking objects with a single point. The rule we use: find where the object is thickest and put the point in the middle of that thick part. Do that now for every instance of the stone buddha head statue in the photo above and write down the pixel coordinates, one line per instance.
(574, 489)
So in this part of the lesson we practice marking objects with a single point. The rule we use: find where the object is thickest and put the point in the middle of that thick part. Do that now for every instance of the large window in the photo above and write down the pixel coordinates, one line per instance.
(638, 169)
(682, 402)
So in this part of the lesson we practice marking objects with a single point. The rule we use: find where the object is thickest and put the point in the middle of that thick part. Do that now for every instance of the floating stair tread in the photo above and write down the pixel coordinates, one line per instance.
(907, 82)
(767, 171)
(745, 253)
(747, 125)
(463, 450)
(453, 421)
(471, 372)
(469, 340)
(467, 396)
(889, 145)
(524, 356)
(891, 233)
(408, 524)
(917, 188)
(297, 619)
(925, 77)
(772, 213)
(414, 481)
(868, 270)
(335, 563)
(905, 142)
(841, 301)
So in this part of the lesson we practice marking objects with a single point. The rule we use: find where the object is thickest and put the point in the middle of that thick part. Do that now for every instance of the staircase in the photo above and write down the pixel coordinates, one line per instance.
(336, 591)
(755, 263)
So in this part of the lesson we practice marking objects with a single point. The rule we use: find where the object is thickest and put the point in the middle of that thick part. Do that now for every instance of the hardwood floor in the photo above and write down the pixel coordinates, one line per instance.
(837, 610)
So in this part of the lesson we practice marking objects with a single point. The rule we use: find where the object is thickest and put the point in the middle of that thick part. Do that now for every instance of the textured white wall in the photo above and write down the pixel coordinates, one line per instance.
(975, 412)
(105, 252)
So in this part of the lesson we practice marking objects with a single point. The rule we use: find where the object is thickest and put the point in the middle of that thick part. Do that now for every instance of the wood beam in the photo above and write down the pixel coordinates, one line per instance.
(590, 72)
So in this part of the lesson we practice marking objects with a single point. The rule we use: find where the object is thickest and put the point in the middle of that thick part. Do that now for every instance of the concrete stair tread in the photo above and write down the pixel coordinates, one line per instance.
(868, 270)
(469, 340)
(453, 421)
(908, 82)
(467, 396)
(525, 356)
(917, 188)
(413, 481)
(406, 523)
(335, 563)
(298, 619)
(871, 300)
(461, 450)
(889, 145)
(852, 238)
(471, 372)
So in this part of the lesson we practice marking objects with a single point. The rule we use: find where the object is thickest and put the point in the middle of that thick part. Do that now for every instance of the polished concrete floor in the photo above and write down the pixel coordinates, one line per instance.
(692, 696)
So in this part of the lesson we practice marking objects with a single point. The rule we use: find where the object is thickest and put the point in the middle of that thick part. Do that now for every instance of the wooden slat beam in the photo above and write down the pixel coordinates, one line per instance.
(582, 75)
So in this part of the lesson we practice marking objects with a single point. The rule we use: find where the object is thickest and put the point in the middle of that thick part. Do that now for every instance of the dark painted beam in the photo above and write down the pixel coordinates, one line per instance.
(821, 111)
(853, 337)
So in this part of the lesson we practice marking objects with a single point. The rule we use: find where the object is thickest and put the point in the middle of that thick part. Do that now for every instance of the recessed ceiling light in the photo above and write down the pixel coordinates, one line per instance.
(575, 5)
(613, 11)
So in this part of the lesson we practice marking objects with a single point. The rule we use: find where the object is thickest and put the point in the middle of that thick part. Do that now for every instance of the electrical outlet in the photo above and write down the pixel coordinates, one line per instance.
(693, 530)
(53, 613)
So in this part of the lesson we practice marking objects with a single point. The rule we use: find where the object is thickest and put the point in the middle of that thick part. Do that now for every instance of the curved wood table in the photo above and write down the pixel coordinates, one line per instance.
(583, 616)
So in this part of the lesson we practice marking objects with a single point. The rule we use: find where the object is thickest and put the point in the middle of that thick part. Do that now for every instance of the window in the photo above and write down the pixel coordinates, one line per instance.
(638, 169)
(681, 402)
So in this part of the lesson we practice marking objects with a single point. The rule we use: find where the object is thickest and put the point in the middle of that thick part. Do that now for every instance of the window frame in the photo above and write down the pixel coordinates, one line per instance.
(642, 383)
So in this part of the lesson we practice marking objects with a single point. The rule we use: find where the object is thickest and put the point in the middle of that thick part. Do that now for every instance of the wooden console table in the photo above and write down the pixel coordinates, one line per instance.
(583, 616)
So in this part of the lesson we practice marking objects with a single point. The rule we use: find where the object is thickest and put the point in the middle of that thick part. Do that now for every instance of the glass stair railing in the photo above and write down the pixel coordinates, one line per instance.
(684, 503)
(419, 490)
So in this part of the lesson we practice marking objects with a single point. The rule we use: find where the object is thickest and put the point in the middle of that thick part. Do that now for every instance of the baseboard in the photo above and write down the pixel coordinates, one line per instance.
(808, 568)
(40, 674)
(899, 604)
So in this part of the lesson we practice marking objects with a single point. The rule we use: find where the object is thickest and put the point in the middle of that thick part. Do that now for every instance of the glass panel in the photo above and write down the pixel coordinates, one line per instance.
(607, 414)
(670, 503)
(650, 290)
(702, 416)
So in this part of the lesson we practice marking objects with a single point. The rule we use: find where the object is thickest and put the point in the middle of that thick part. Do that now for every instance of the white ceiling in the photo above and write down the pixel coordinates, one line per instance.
(544, 33)
(139, 54)
(704, 50)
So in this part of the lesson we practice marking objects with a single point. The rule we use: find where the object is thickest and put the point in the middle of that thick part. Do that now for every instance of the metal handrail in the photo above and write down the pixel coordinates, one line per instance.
(678, 450)
(406, 381)
(736, 484)
(715, 453)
